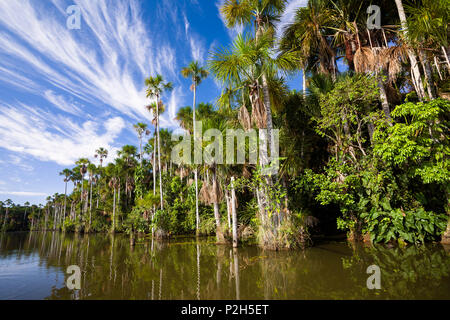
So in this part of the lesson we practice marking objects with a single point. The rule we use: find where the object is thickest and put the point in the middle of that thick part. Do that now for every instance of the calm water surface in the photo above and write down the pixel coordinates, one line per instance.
(33, 266)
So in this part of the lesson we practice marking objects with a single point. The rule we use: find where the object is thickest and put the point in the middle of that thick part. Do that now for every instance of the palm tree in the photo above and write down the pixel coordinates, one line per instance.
(263, 14)
(141, 129)
(428, 30)
(155, 88)
(197, 74)
(306, 36)
(91, 168)
(101, 153)
(83, 162)
(416, 76)
(8, 203)
(67, 173)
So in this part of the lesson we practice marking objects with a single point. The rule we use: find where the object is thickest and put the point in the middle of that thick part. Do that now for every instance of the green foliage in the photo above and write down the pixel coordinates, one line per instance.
(419, 141)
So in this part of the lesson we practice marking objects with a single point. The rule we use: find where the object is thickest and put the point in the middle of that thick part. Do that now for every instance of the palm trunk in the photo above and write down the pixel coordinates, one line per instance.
(384, 100)
(227, 197)
(81, 199)
(417, 79)
(65, 200)
(436, 64)
(159, 156)
(446, 57)
(90, 208)
(428, 75)
(219, 232)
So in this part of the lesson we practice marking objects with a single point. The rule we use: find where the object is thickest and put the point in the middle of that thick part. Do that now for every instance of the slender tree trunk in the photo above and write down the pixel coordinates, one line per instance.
(446, 57)
(227, 197)
(159, 156)
(234, 213)
(384, 100)
(219, 231)
(428, 75)
(90, 208)
(65, 200)
(24, 217)
(412, 55)
(436, 64)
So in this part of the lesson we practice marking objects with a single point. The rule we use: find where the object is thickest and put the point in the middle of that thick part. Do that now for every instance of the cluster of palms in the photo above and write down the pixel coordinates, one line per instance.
(407, 55)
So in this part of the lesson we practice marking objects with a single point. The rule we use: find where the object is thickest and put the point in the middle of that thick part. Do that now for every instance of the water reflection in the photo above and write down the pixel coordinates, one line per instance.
(32, 266)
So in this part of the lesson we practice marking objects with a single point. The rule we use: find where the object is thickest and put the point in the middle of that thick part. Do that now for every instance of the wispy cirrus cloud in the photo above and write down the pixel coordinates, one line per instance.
(28, 130)
(77, 73)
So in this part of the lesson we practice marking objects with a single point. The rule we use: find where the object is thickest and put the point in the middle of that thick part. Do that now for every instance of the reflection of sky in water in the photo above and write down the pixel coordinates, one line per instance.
(27, 277)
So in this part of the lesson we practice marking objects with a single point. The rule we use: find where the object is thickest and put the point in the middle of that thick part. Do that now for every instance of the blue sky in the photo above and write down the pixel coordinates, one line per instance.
(64, 93)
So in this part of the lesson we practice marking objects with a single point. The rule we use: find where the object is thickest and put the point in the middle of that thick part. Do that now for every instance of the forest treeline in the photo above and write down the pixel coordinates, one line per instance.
(364, 147)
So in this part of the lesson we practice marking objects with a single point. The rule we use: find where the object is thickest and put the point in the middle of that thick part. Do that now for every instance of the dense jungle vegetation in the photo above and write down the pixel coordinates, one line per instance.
(364, 147)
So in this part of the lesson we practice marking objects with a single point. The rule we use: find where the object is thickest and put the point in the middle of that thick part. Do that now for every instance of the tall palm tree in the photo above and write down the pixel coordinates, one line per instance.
(197, 74)
(26, 204)
(416, 76)
(67, 173)
(307, 36)
(428, 31)
(263, 14)
(8, 204)
(83, 162)
(91, 168)
(101, 153)
(141, 129)
(156, 86)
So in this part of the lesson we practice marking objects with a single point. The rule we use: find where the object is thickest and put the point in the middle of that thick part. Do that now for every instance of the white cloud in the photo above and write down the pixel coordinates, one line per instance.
(20, 163)
(104, 62)
(61, 103)
(23, 193)
(103, 65)
(48, 137)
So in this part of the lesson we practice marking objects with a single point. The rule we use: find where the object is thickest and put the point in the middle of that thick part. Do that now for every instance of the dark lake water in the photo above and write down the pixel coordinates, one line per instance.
(34, 265)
